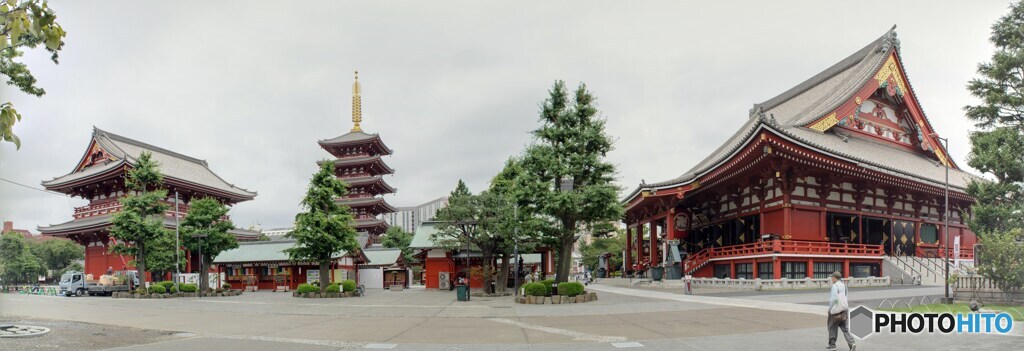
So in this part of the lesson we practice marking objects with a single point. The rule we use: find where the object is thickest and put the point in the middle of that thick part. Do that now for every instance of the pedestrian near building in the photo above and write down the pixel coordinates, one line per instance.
(838, 313)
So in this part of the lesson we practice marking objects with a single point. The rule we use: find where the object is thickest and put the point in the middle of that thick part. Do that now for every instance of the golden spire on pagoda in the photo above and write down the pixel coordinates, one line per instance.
(357, 106)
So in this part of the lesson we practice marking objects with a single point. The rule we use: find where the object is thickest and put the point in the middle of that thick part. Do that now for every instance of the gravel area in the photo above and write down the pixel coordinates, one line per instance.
(80, 336)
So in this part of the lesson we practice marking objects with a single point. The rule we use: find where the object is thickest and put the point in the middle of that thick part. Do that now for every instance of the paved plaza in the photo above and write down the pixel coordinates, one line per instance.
(418, 319)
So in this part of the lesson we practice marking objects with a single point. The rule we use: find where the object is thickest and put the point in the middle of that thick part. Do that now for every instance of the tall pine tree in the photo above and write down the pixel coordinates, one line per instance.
(325, 227)
(141, 219)
(564, 174)
(998, 150)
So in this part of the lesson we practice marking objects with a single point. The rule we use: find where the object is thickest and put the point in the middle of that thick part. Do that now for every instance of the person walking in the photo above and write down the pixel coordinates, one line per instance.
(838, 313)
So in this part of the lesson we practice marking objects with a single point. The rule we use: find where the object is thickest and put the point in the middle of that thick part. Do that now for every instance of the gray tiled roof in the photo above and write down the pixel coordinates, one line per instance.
(789, 112)
(382, 257)
(262, 251)
(172, 164)
(105, 220)
(355, 138)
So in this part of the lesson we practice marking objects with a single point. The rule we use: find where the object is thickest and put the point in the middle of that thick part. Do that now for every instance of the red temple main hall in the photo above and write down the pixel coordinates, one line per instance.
(831, 175)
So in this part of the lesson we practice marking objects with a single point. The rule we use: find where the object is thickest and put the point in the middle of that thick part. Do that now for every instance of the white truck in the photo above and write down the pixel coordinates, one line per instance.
(75, 284)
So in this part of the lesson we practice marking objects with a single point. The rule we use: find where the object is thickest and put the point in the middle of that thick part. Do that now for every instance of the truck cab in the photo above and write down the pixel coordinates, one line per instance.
(74, 283)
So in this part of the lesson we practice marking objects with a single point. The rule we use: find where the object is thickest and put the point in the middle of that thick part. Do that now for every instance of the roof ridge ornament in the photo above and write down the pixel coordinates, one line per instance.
(889, 41)
(357, 105)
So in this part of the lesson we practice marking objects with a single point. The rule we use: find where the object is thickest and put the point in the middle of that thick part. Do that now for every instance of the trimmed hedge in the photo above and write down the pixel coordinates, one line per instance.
(333, 288)
(141, 291)
(189, 288)
(157, 289)
(173, 289)
(226, 285)
(570, 288)
(547, 285)
(307, 288)
(348, 285)
(535, 289)
(166, 284)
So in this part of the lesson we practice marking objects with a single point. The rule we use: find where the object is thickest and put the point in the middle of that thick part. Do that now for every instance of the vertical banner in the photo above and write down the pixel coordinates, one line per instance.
(956, 252)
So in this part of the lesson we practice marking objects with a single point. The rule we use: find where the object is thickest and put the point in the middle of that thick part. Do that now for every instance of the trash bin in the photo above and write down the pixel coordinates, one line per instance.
(674, 272)
(601, 273)
(463, 292)
(657, 273)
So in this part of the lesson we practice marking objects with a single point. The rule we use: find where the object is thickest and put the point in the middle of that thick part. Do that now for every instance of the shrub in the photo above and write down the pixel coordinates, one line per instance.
(157, 289)
(348, 285)
(173, 289)
(535, 289)
(167, 284)
(227, 286)
(141, 291)
(547, 285)
(307, 288)
(333, 288)
(189, 288)
(570, 288)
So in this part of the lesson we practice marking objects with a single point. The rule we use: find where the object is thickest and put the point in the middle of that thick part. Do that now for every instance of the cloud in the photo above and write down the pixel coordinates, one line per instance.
(452, 87)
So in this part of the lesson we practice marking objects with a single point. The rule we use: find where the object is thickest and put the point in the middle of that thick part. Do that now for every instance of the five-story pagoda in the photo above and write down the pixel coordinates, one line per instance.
(358, 162)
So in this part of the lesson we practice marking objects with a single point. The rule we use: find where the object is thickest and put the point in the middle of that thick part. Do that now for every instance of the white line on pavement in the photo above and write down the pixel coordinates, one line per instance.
(625, 345)
(381, 346)
(712, 300)
(578, 336)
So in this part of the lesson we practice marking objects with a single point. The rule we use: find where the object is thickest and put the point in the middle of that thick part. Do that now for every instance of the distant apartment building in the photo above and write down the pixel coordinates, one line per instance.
(409, 218)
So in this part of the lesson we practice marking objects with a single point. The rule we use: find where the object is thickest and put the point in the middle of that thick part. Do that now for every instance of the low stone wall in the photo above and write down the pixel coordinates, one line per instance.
(984, 290)
(326, 295)
(782, 284)
(132, 295)
(557, 299)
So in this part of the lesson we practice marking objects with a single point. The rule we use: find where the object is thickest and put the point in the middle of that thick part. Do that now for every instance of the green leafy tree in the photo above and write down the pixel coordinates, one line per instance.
(612, 244)
(1001, 260)
(511, 228)
(205, 229)
(998, 150)
(24, 24)
(325, 227)
(474, 222)
(160, 254)
(57, 254)
(396, 238)
(569, 148)
(17, 263)
(141, 219)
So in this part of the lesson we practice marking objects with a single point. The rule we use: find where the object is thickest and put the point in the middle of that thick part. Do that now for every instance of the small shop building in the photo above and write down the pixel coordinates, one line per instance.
(265, 265)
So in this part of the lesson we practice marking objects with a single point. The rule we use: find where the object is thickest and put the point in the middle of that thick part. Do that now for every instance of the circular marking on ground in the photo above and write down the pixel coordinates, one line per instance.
(22, 331)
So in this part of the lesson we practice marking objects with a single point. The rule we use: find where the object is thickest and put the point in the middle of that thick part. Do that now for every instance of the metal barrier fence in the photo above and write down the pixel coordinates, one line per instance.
(48, 290)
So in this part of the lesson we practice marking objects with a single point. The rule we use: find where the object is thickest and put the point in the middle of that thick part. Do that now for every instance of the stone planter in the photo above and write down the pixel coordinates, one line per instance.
(556, 300)
(593, 296)
(572, 299)
(350, 293)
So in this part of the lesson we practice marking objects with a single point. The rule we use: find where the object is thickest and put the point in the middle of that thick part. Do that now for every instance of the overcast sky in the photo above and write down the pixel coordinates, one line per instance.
(452, 87)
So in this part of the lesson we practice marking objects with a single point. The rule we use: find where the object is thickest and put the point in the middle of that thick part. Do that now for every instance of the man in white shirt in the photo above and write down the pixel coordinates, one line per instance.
(839, 313)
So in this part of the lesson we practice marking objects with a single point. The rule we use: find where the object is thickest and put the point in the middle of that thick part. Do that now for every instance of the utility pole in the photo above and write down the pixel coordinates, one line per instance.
(177, 244)
(515, 254)
(945, 216)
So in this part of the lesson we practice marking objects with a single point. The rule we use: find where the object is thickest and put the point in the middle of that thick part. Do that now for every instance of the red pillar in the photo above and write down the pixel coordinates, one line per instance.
(776, 268)
(732, 269)
(654, 243)
(846, 268)
(810, 268)
(627, 265)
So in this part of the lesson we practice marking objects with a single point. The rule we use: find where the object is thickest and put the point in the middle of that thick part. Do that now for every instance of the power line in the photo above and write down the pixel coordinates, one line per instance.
(34, 188)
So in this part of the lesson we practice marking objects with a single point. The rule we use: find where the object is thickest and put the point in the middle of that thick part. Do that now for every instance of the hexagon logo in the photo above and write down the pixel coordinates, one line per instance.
(862, 322)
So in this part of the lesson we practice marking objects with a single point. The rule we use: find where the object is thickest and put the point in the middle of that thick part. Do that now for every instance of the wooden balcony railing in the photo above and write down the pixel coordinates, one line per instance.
(788, 247)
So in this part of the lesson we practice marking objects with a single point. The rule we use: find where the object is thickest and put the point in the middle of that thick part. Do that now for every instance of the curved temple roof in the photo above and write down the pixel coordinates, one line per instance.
(172, 165)
(788, 114)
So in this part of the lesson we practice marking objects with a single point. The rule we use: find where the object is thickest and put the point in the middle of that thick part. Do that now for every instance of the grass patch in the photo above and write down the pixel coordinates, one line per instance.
(1017, 312)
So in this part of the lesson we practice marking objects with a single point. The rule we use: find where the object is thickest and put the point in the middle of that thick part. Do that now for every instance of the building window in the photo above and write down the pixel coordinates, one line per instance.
(823, 270)
(266, 271)
(766, 270)
(929, 233)
(722, 271)
(864, 270)
(745, 270)
(794, 270)
(230, 271)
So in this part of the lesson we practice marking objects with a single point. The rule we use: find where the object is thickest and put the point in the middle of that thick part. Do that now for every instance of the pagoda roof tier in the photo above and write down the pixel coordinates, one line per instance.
(336, 146)
(371, 225)
(806, 113)
(376, 183)
(376, 205)
(110, 154)
(97, 223)
(375, 164)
